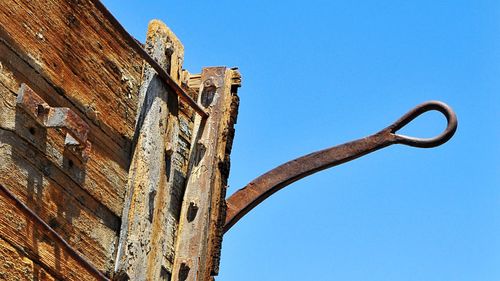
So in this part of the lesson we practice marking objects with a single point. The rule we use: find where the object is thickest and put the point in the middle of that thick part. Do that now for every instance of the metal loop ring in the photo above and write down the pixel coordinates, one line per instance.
(419, 110)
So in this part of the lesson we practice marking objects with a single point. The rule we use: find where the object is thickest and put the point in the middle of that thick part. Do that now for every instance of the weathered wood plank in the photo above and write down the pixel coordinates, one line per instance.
(221, 174)
(81, 220)
(19, 230)
(70, 54)
(16, 266)
(169, 199)
(75, 47)
(154, 188)
(101, 176)
(35, 164)
(203, 199)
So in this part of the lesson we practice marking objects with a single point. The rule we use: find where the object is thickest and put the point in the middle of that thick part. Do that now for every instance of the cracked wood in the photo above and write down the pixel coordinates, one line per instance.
(202, 213)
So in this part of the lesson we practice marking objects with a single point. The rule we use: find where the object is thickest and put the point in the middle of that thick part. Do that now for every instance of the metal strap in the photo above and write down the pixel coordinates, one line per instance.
(54, 234)
(181, 93)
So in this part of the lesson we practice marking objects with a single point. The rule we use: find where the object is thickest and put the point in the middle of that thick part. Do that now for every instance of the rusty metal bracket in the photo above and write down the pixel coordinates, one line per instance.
(245, 199)
(76, 129)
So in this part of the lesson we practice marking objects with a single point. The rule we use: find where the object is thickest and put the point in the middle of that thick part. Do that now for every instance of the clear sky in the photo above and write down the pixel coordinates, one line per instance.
(320, 73)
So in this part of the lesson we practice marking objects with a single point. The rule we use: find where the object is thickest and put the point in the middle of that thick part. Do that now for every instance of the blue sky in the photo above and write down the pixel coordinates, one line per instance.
(320, 73)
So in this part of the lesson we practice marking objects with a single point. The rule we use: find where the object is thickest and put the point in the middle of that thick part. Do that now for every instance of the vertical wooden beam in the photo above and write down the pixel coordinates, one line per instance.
(218, 213)
(199, 235)
(149, 221)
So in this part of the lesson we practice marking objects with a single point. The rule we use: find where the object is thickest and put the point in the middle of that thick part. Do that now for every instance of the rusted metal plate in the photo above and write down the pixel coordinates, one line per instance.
(245, 199)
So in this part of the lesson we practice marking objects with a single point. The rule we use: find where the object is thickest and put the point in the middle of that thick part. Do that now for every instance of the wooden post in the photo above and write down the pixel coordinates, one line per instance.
(149, 217)
(203, 207)
(119, 209)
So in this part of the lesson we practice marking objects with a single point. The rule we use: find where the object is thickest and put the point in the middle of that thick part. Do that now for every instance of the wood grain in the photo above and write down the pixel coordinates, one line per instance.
(142, 138)
(204, 196)
(16, 266)
(72, 56)
(78, 218)
(21, 232)
(158, 168)
(75, 47)
(100, 176)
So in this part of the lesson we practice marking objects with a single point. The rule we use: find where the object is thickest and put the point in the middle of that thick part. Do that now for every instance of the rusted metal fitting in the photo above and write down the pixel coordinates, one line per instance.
(245, 199)
(76, 129)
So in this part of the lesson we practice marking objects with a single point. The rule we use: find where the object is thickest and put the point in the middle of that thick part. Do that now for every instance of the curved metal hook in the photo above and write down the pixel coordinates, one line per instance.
(245, 199)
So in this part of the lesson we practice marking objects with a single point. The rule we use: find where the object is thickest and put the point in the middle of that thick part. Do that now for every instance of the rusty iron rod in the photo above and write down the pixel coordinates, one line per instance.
(54, 234)
(133, 43)
(245, 199)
